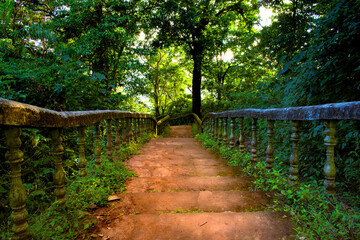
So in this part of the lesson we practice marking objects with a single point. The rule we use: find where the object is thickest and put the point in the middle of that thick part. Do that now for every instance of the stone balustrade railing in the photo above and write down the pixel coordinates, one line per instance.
(162, 123)
(221, 127)
(14, 116)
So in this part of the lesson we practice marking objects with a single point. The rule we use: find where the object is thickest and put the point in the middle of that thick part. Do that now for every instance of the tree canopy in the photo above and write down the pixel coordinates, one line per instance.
(73, 55)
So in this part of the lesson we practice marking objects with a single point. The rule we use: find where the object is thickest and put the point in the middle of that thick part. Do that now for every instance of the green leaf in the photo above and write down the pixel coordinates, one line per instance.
(299, 56)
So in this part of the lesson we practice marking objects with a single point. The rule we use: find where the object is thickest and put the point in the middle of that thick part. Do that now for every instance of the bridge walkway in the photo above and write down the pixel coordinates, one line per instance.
(184, 191)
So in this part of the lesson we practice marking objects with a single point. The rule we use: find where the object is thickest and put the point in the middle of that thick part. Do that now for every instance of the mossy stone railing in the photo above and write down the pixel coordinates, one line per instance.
(162, 123)
(14, 116)
(221, 127)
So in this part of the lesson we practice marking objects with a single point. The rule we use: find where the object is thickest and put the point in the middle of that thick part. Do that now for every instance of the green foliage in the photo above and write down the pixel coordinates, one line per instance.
(326, 69)
(100, 181)
(317, 215)
(195, 129)
(200, 26)
(100, 34)
(69, 221)
(164, 130)
(166, 80)
(68, 55)
(86, 55)
(292, 27)
(49, 220)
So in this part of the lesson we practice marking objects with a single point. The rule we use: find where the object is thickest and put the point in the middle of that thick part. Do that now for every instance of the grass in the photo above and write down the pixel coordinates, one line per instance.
(316, 214)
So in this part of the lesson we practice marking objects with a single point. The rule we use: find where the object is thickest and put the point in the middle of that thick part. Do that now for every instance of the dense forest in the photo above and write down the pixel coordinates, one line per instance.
(175, 57)
(160, 56)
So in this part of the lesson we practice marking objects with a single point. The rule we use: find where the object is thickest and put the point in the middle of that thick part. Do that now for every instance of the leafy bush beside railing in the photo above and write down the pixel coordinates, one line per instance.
(222, 126)
(268, 145)
(316, 215)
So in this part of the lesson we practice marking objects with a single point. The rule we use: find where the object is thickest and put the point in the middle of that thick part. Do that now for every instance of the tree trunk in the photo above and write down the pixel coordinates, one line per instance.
(157, 87)
(99, 63)
(196, 83)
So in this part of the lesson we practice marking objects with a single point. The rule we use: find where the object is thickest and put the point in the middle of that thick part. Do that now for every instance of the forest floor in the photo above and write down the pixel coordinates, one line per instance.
(184, 191)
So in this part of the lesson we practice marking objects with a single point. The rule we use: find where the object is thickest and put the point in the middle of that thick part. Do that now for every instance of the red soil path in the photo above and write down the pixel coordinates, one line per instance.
(184, 191)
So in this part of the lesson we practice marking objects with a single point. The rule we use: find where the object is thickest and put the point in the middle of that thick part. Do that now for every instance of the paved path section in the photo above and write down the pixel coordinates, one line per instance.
(185, 191)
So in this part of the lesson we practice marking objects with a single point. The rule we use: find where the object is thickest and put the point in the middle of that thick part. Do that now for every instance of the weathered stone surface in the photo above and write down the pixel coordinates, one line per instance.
(348, 110)
(200, 226)
(181, 193)
(21, 114)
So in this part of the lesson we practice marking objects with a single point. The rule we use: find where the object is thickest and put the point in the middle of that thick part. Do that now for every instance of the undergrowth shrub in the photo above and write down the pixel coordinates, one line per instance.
(316, 214)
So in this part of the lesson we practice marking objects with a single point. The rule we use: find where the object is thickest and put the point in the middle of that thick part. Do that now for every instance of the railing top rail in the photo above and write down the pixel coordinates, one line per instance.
(332, 111)
(25, 115)
(163, 120)
(197, 119)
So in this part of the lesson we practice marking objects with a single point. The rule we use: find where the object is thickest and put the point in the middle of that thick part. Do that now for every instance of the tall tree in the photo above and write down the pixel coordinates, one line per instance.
(200, 26)
(327, 70)
(101, 34)
(166, 78)
(292, 26)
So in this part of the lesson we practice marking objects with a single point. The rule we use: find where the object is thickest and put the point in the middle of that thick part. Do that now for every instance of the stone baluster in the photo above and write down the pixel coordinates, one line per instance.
(254, 140)
(117, 139)
(330, 168)
(211, 127)
(82, 159)
(140, 126)
(124, 126)
(109, 141)
(143, 125)
(131, 129)
(225, 135)
(128, 129)
(208, 126)
(97, 151)
(220, 130)
(270, 149)
(17, 195)
(59, 174)
(232, 130)
(148, 125)
(135, 136)
(241, 135)
(294, 158)
(216, 128)
(136, 128)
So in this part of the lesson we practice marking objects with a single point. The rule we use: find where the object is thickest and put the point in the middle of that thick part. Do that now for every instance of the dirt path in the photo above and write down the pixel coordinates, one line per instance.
(186, 192)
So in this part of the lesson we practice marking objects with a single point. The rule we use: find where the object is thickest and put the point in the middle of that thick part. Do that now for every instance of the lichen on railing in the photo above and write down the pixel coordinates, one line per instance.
(14, 116)
(216, 124)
